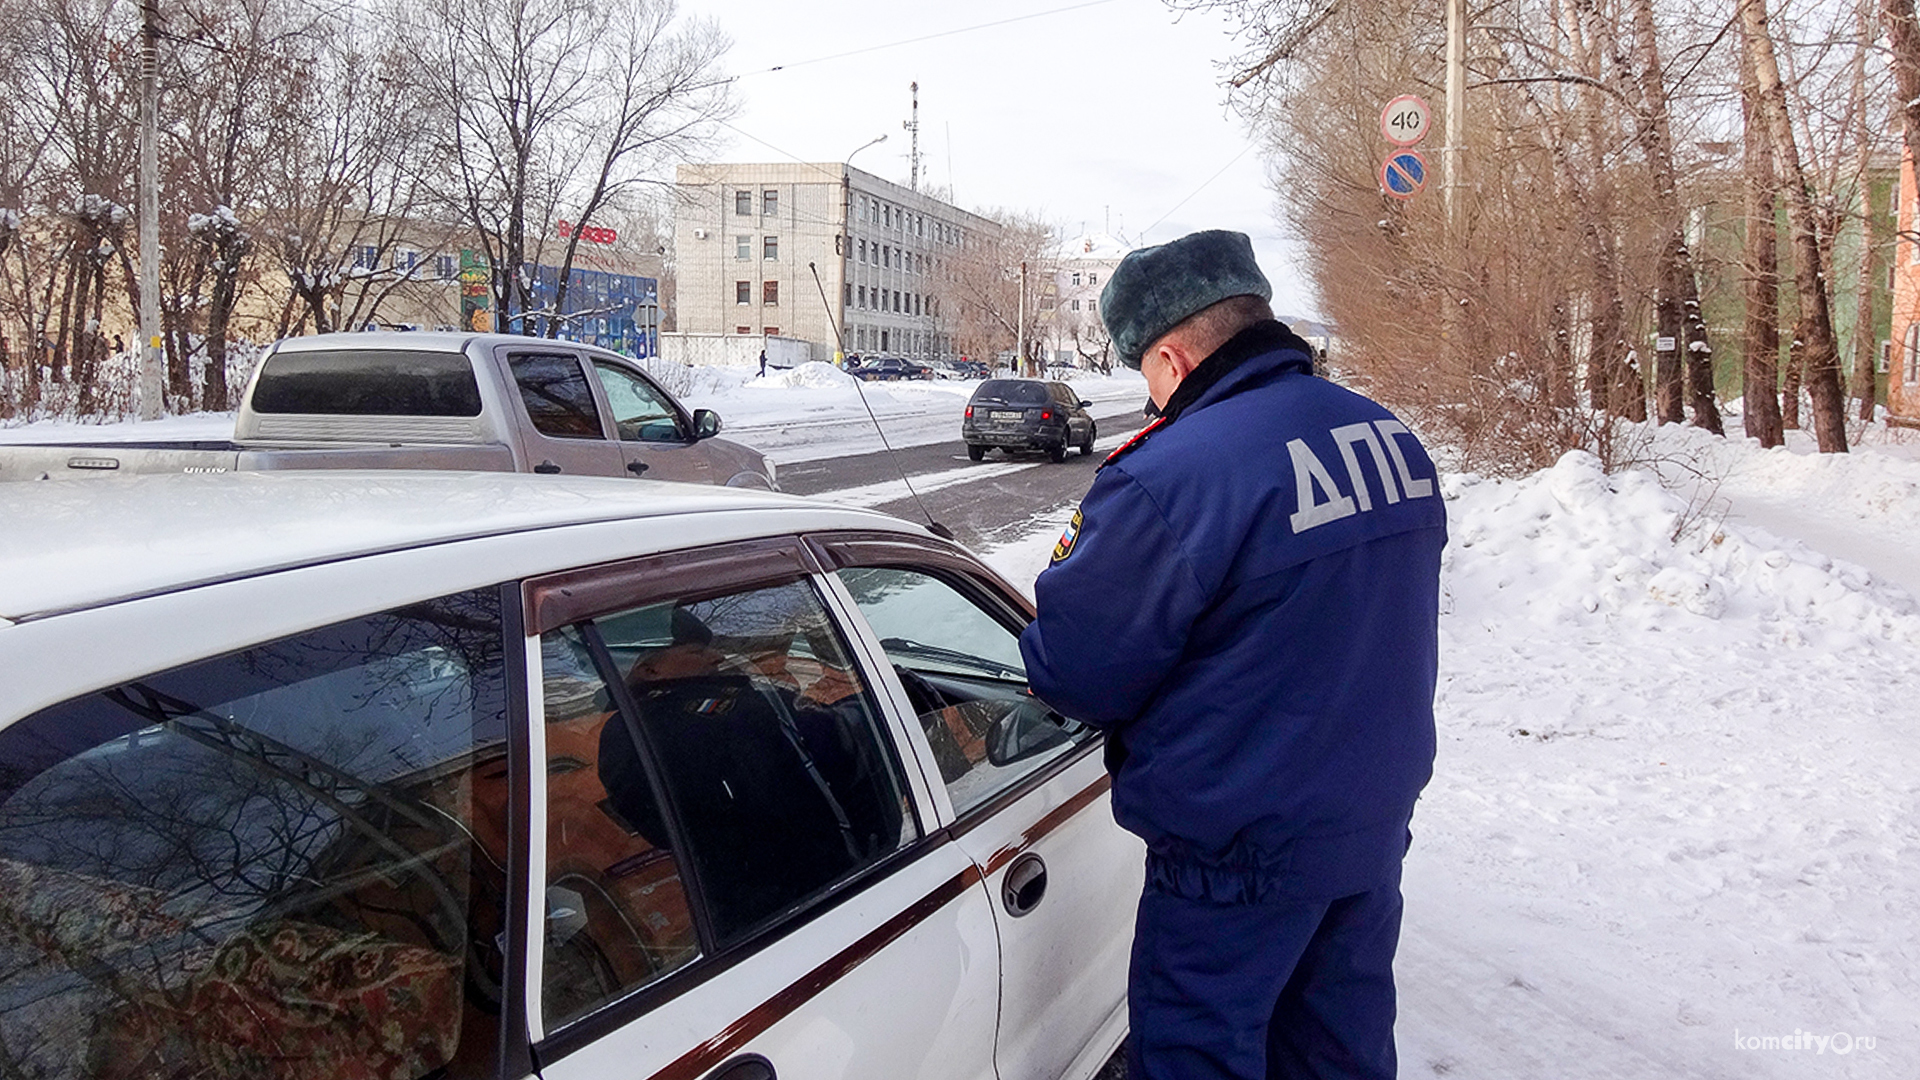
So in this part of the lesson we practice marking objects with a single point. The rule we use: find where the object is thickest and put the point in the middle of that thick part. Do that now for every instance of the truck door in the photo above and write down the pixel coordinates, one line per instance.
(656, 436)
(562, 429)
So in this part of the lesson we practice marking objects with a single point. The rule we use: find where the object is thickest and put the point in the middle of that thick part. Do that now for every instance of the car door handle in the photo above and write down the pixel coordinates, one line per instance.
(546, 467)
(636, 467)
(745, 1067)
(1025, 885)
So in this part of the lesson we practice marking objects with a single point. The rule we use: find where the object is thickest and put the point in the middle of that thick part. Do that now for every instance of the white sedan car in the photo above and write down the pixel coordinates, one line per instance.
(387, 775)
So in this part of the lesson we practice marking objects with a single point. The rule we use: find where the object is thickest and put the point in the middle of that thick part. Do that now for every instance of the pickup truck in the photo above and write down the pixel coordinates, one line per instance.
(489, 402)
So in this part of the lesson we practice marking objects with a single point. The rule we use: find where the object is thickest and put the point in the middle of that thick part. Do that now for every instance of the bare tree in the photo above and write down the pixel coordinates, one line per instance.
(1814, 331)
(1761, 412)
(554, 109)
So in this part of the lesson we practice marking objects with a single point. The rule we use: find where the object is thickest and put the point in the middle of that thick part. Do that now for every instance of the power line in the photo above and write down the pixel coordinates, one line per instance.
(927, 37)
(1176, 206)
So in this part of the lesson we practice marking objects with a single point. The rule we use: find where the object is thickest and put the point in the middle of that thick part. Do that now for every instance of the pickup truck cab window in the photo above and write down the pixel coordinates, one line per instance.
(640, 412)
(367, 382)
(288, 860)
(557, 396)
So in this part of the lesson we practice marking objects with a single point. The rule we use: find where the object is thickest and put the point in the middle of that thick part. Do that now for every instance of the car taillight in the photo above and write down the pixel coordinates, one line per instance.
(1046, 414)
(969, 412)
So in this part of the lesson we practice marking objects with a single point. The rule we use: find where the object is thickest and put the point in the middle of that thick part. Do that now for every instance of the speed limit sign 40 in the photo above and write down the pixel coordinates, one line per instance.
(1405, 120)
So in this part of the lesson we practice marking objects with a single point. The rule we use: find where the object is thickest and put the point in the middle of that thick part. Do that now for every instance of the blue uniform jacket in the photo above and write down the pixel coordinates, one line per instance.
(1247, 603)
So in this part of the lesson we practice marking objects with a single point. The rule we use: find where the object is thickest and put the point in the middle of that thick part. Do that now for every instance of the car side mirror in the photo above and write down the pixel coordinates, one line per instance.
(1086, 404)
(1026, 730)
(706, 424)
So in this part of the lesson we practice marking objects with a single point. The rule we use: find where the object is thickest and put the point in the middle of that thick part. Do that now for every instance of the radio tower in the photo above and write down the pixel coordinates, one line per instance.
(913, 128)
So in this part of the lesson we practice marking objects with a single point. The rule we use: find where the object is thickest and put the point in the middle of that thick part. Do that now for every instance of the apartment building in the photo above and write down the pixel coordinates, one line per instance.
(749, 240)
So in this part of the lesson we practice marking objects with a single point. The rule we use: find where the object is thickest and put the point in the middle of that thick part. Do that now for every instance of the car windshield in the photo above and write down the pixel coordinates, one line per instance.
(1012, 391)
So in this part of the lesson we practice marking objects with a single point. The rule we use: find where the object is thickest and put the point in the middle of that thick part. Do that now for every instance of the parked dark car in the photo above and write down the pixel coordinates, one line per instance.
(1027, 414)
(889, 368)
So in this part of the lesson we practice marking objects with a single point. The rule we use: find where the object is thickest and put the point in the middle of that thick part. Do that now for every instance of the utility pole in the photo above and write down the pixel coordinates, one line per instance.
(913, 128)
(1456, 113)
(1452, 157)
(1020, 346)
(149, 386)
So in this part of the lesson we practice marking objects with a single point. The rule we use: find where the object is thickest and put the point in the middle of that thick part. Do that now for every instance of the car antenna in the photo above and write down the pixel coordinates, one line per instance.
(859, 384)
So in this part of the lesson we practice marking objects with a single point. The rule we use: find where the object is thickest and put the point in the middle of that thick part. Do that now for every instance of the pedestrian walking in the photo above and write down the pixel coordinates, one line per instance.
(763, 364)
(1247, 603)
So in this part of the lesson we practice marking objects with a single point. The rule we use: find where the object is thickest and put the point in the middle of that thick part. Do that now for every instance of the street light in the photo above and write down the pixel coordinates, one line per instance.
(876, 142)
(845, 240)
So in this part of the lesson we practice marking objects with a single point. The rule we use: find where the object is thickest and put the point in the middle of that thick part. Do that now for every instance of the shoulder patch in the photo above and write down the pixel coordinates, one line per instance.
(1064, 547)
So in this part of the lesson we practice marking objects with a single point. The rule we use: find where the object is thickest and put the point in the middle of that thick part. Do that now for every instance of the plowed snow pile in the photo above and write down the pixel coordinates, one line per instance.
(1674, 827)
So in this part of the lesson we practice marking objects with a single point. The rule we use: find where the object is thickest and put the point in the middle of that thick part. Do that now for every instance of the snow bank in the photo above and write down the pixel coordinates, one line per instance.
(1676, 808)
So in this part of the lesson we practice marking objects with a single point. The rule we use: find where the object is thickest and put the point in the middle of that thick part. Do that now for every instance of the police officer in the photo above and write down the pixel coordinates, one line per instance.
(1246, 602)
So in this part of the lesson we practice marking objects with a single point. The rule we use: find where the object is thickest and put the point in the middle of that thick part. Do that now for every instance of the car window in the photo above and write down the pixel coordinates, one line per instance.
(288, 861)
(367, 382)
(728, 739)
(1013, 391)
(962, 669)
(641, 413)
(558, 399)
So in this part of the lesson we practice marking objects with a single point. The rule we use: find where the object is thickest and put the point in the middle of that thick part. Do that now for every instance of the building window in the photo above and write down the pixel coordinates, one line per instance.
(1093, 278)
(863, 251)
(1093, 305)
(743, 292)
(771, 331)
(896, 301)
(849, 300)
(1076, 279)
(446, 267)
(743, 203)
(1076, 305)
(770, 293)
(770, 247)
(743, 329)
(368, 258)
(863, 296)
(770, 203)
(1912, 374)
(743, 246)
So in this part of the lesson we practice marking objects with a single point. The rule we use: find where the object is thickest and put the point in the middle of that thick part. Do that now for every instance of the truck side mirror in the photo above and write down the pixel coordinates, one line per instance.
(706, 424)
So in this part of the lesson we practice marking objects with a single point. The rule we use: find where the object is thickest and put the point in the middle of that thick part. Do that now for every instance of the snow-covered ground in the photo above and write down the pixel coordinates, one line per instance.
(1676, 811)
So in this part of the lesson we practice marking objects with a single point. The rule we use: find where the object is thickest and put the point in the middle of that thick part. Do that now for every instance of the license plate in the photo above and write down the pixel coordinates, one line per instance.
(1003, 417)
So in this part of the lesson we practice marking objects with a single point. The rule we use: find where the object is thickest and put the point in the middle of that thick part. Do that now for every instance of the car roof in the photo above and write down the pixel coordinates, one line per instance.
(426, 341)
(74, 544)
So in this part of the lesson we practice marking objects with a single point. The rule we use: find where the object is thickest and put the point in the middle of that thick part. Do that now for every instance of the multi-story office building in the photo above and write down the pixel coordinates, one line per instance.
(748, 240)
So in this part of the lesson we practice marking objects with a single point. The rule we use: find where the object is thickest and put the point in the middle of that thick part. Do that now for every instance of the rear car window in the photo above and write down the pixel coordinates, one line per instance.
(557, 397)
(288, 861)
(1012, 391)
(728, 739)
(368, 382)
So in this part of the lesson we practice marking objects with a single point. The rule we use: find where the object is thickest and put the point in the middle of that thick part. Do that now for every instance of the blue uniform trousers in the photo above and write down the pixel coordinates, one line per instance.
(1292, 988)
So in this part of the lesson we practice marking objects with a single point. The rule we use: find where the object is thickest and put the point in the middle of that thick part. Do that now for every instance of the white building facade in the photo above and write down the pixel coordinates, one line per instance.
(1070, 301)
(749, 239)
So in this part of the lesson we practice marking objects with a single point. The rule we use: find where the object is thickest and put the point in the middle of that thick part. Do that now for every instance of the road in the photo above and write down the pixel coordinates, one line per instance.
(984, 503)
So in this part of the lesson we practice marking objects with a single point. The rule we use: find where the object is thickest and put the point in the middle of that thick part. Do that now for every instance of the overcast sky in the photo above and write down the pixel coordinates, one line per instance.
(1089, 114)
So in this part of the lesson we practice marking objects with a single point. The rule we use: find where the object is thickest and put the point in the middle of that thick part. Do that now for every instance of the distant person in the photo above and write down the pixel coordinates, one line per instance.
(763, 364)
(1247, 603)
(119, 346)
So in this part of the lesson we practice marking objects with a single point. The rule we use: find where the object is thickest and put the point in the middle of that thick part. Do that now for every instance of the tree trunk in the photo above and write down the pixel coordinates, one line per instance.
(1865, 340)
(1903, 32)
(1678, 303)
(1822, 362)
(1761, 380)
(1796, 371)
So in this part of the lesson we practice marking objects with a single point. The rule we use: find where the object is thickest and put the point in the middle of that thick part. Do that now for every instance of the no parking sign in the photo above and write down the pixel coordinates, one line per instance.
(1403, 174)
